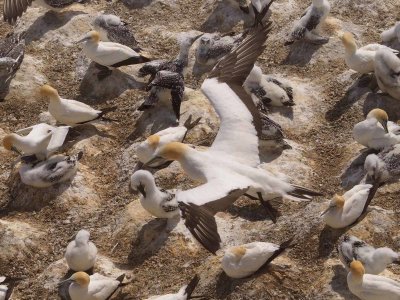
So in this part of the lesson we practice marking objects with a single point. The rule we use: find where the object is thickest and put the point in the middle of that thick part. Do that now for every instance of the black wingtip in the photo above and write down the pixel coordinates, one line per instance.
(192, 286)
(120, 278)
(282, 248)
(202, 225)
(303, 193)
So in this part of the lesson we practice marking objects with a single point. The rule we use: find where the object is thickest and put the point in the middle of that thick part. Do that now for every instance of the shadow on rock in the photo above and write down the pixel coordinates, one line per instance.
(48, 22)
(339, 282)
(353, 94)
(355, 172)
(301, 53)
(199, 69)
(385, 102)
(136, 4)
(109, 88)
(254, 211)
(286, 111)
(328, 239)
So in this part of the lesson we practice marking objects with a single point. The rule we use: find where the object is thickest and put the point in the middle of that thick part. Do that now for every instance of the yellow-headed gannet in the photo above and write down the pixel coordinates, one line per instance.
(81, 252)
(185, 293)
(387, 72)
(374, 260)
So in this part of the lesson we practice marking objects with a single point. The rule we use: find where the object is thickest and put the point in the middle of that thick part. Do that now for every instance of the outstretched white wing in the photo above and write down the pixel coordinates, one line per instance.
(57, 138)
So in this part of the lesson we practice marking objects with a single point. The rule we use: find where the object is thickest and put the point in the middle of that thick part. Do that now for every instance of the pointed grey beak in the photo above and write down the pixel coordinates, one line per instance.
(82, 40)
(326, 210)
(152, 161)
(384, 125)
(16, 150)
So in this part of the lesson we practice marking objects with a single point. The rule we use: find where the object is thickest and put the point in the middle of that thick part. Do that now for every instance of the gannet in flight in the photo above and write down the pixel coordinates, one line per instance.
(13, 9)
(71, 112)
(362, 59)
(387, 72)
(244, 260)
(112, 29)
(267, 91)
(93, 287)
(185, 293)
(12, 49)
(109, 55)
(391, 34)
(81, 252)
(376, 131)
(231, 163)
(347, 210)
(384, 167)
(40, 140)
(371, 287)
(310, 23)
(374, 260)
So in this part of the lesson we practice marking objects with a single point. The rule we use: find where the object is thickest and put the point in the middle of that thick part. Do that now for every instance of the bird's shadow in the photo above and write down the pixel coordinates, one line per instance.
(48, 22)
(83, 132)
(339, 282)
(109, 88)
(285, 111)
(385, 102)
(136, 4)
(200, 69)
(301, 53)
(328, 239)
(252, 212)
(356, 91)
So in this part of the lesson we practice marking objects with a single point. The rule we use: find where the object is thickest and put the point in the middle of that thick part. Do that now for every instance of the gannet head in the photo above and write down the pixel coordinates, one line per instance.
(238, 251)
(348, 41)
(381, 116)
(173, 151)
(357, 268)
(336, 202)
(49, 92)
(81, 278)
(205, 41)
(8, 141)
(92, 36)
(82, 236)
(140, 180)
(153, 141)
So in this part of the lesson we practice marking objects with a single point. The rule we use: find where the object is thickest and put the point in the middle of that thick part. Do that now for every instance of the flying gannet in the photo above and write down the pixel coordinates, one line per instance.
(185, 293)
(374, 260)
(109, 55)
(391, 34)
(244, 260)
(376, 131)
(387, 72)
(360, 59)
(81, 252)
(384, 166)
(371, 287)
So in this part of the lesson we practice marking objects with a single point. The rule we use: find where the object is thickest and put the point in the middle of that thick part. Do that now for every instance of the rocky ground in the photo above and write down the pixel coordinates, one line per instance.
(36, 224)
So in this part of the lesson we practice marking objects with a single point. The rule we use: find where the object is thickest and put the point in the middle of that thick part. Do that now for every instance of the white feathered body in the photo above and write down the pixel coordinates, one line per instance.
(391, 34)
(100, 288)
(81, 253)
(178, 296)
(387, 71)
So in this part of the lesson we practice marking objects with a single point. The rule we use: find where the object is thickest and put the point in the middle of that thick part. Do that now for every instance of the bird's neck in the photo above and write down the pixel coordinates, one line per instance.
(351, 49)
(183, 56)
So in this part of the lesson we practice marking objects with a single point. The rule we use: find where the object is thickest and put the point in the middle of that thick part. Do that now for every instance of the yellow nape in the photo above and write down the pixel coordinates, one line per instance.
(95, 36)
(48, 91)
(8, 141)
(339, 200)
(357, 268)
(378, 114)
(173, 151)
(153, 140)
(348, 40)
(81, 278)
(238, 251)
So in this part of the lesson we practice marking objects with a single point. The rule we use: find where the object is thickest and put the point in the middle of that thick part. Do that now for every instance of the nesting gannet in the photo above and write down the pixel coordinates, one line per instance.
(267, 91)
(391, 34)
(384, 167)
(13, 9)
(56, 169)
(112, 29)
(12, 49)
(81, 253)
(387, 72)
(374, 260)
(166, 82)
(163, 204)
(310, 22)
(6, 287)
(272, 133)
(360, 59)
(371, 287)
(41, 140)
(178, 65)
(93, 287)
(231, 163)
(109, 55)
(260, 9)
(347, 209)
(70, 112)
(184, 293)
(244, 260)
(376, 131)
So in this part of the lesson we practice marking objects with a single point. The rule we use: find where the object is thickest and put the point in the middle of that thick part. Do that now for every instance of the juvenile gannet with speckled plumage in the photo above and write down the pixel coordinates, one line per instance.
(374, 260)
(310, 22)
(347, 209)
(272, 134)
(391, 34)
(109, 55)
(244, 260)
(387, 72)
(360, 59)
(56, 169)
(376, 131)
(81, 252)
(185, 293)
(40, 140)
(70, 112)
(268, 91)
(93, 287)
(371, 287)
(231, 163)
(385, 166)
(112, 29)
